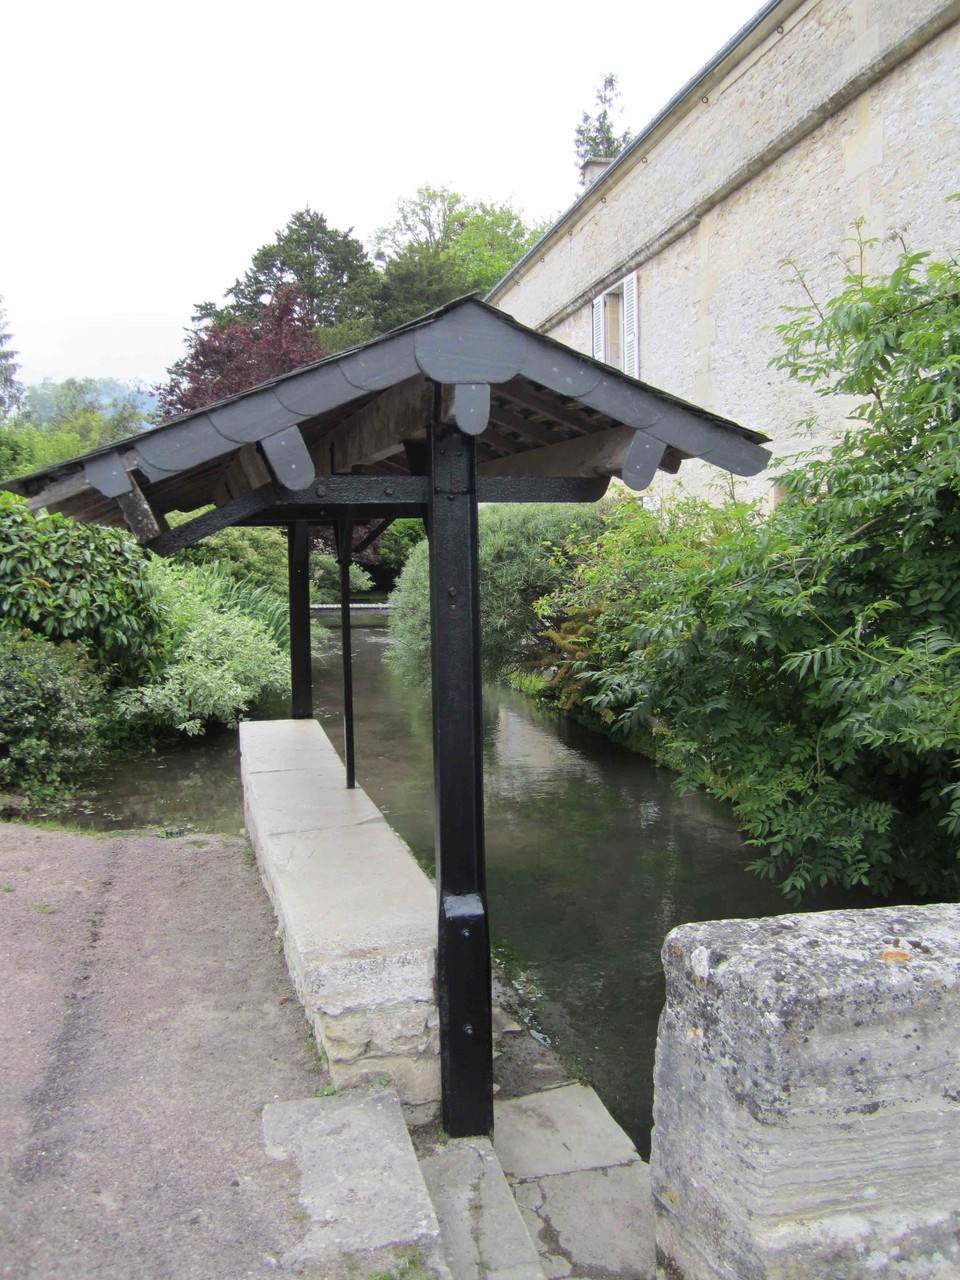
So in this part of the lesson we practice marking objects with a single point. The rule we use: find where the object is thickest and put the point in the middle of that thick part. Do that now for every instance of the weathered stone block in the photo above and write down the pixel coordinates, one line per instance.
(807, 1102)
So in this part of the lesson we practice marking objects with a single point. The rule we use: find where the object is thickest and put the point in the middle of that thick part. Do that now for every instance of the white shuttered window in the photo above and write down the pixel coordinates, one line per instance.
(616, 332)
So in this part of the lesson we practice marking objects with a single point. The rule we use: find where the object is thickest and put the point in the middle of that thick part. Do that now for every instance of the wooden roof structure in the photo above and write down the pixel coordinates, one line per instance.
(537, 408)
(460, 407)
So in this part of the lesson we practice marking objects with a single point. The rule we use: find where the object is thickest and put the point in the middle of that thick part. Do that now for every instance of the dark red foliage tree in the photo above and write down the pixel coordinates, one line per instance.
(225, 359)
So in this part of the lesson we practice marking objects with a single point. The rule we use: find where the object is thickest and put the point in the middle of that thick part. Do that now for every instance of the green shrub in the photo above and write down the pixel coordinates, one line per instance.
(257, 556)
(325, 579)
(806, 666)
(49, 704)
(79, 582)
(222, 661)
(399, 540)
(521, 556)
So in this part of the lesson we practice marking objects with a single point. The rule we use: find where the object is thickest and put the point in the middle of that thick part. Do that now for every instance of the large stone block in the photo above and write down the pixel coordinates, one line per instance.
(807, 1103)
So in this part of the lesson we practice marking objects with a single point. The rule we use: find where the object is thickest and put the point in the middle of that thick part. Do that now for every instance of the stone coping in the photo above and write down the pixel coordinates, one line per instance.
(357, 915)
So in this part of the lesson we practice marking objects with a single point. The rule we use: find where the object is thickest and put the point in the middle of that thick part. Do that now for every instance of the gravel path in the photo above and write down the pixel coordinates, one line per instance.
(145, 1020)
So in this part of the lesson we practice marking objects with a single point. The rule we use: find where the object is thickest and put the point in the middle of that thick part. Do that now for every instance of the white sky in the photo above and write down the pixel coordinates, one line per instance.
(150, 149)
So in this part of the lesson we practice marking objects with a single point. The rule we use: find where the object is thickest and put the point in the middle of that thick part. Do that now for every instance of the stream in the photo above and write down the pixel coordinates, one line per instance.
(592, 854)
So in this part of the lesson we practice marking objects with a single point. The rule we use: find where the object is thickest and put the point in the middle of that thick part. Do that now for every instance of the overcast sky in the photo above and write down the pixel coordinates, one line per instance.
(150, 149)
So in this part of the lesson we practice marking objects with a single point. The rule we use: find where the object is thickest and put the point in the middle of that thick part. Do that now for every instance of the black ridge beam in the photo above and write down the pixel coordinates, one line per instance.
(541, 488)
(463, 934)
(298, 567)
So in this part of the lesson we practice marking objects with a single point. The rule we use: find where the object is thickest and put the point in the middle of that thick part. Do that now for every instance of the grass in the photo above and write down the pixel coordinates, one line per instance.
(412, 1265)
(44, 909)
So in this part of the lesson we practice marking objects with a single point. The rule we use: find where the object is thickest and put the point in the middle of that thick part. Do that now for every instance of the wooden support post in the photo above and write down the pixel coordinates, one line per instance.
(301, 675)
(344, 555)
(463, 939)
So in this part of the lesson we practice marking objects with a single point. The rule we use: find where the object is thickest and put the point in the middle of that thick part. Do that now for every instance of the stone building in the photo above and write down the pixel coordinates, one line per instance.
(673, 263)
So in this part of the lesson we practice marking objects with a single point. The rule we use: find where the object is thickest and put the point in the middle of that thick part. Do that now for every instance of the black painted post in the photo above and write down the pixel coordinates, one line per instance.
(344, 552)
(298, 571)
(463, 939)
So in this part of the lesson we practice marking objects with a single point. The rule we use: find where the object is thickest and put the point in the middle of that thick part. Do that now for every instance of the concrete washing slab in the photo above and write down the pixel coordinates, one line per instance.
(357, 915)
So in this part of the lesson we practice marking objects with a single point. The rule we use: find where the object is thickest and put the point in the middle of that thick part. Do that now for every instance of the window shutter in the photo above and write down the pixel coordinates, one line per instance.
(598, 328)
(631, 336)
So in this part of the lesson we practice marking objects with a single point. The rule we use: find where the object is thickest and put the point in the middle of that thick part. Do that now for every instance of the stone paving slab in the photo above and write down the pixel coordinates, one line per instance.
(597, 1221)
(562, 1130)
(581, 1187)
(484, 1234)
(360, 1183)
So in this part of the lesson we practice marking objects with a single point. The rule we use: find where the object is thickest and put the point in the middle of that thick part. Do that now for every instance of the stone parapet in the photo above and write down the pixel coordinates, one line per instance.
(356, 913)
(807, 1098)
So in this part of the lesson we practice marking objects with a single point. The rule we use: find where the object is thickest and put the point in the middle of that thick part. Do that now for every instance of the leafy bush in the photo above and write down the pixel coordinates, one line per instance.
(257, 556)
(806, 666)
(79, 582)
(49, 704)
(222, 660)
(325, 579)
(521, 556)
(398, 541)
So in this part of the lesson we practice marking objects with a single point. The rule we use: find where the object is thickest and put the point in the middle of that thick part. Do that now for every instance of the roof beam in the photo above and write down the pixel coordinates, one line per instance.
(593, 455)
(521, 392)
(378, 429)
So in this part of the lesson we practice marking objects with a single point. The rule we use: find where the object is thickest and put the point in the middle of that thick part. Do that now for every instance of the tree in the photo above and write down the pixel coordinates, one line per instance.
(11, 391)
(594, 137)
(225, 359)
(327, 271)
(440, 247)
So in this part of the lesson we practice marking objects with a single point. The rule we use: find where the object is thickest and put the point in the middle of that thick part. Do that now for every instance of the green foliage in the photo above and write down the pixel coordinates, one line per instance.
(257, 556)
(594, 137)
(79, 582)
(222, 660)
(521, 557)
(399, 540)
(325, 578)
(59, 420)
(49, 704)
(440, 247)
(11, 392)
(806, 666)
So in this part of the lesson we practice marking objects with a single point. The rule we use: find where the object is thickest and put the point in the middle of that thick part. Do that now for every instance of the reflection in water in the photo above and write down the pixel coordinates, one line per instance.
(592, 854)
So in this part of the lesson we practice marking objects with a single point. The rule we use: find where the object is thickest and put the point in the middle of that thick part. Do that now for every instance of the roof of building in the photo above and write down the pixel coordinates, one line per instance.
(537, 408)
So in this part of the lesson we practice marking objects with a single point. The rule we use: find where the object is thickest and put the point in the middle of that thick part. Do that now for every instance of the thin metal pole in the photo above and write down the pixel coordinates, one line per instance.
(344, 552)
(298, 574)
(463, 937)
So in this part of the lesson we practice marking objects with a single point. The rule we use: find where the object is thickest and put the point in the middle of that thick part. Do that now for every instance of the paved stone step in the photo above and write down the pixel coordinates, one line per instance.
(366, 1204)
(484, 1236)
(579, 1183)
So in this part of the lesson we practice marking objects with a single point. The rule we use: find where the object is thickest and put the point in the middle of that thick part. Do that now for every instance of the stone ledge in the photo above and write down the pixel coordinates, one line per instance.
(356, 914)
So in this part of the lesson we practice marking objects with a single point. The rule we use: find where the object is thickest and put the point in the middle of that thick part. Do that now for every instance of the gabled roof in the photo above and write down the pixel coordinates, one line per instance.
(537, 407)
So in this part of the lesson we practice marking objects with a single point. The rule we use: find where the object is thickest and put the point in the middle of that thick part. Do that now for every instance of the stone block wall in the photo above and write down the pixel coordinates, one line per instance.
(807, 1098)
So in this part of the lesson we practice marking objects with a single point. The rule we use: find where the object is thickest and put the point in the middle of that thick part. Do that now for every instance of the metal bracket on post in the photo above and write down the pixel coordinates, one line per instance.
(463, 943)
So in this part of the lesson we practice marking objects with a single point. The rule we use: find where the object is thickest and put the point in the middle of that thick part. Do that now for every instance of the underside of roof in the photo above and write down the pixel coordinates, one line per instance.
(536, 407)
